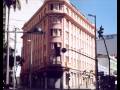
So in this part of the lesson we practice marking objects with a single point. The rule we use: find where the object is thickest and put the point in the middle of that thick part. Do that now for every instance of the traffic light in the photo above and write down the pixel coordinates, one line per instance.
(57, 51)
(100, 32)
(63, 50)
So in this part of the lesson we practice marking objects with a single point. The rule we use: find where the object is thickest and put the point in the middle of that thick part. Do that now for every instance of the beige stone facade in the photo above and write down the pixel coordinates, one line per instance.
(65, 27)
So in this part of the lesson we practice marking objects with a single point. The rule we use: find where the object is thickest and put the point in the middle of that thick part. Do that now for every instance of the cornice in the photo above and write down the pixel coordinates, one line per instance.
(68, 4)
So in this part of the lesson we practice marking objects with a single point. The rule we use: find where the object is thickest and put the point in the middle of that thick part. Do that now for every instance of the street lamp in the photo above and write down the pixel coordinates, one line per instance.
(31, 51)
(96, 60)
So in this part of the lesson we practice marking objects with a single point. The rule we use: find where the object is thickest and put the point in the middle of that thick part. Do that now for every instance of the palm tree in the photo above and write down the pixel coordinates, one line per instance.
(15, 4)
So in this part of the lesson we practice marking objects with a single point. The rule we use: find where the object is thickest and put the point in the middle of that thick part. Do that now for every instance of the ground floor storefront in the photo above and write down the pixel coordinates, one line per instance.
(58, 79)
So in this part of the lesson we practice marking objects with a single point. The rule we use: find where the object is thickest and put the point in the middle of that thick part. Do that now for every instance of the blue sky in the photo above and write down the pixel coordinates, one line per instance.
(105, 11)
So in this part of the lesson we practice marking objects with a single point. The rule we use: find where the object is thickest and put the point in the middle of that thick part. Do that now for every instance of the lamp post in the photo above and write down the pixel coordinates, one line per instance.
(96, 60)
(31, 51)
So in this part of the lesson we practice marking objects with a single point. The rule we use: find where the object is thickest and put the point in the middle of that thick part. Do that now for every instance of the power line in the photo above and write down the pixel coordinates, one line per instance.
(82, 54)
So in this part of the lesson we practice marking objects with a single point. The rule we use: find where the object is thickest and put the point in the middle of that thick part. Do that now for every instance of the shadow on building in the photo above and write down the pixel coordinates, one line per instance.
(50, 77)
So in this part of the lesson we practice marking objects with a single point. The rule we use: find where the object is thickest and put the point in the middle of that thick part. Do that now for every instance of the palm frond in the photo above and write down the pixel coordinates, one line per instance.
(18, 4)
(8, 3)
(14, 3)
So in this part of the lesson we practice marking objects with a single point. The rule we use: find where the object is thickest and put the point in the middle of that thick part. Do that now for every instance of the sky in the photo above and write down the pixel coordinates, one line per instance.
(105, 11)
(19, 17)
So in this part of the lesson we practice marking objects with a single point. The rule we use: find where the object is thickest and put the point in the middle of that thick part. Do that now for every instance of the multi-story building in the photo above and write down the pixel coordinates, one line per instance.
(65, 27)
(111, 42)
(104, 64)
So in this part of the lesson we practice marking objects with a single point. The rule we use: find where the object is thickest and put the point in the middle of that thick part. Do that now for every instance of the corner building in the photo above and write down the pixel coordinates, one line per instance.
(64, 26)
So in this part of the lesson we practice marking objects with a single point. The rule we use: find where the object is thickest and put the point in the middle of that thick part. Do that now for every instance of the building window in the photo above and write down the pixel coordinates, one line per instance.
(51, 6)
(56, 19)
(72, 39)
(67, 35)
(56, 6)
(44, 46)
(56, 44)
(44, 10)
(67, 23)
(67, 46)
(71, 13)
(67, 59)
(41, 14)
(56, 32)
(67, 10)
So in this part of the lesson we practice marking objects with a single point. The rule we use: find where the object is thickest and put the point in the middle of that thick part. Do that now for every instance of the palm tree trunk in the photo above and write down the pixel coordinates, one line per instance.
(7, 74)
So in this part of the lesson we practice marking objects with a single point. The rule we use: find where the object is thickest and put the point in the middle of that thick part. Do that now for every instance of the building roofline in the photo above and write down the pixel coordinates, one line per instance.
(69, 4)
(105, 56)
(110, 34)
(80, 14)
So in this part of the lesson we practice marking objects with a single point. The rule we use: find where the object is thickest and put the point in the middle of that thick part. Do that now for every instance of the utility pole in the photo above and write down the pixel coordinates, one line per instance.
(96, 60)
(96, 63)
(14, 69)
